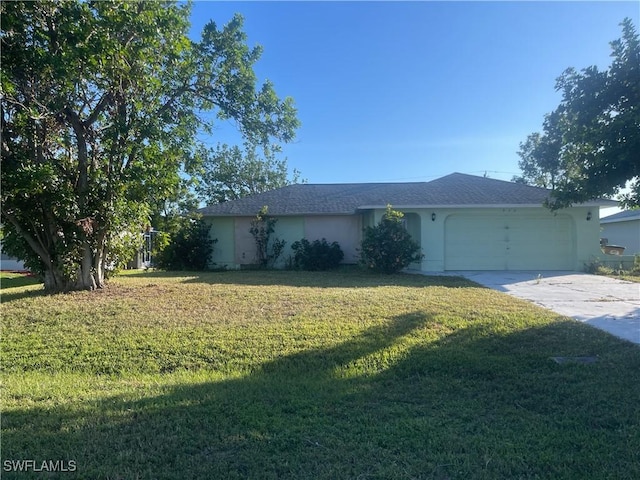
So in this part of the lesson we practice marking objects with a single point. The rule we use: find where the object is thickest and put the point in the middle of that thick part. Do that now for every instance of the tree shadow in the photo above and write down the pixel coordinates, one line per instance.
(8, 284)
(17, 280)
(341, 278)
(210, 430)
(471, 404)
(7, 295)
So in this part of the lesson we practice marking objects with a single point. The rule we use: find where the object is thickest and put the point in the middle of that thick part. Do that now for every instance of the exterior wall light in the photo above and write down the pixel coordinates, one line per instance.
(433, 217)
(588, 216)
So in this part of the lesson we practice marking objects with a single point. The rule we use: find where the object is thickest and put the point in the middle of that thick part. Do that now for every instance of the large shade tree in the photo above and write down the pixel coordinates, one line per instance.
(101, 106)
(590, 145)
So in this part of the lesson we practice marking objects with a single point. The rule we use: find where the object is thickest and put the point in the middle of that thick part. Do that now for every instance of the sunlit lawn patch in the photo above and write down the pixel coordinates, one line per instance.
(298, 375)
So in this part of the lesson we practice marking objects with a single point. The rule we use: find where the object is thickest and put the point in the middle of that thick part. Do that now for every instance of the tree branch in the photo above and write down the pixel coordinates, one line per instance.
(35, 246)
(105, 101)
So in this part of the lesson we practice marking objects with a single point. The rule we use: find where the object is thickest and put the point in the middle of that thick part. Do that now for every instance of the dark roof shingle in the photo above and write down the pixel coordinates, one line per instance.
(456, 189)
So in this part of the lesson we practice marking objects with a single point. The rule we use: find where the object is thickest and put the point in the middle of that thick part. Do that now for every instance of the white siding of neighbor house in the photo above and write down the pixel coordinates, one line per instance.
(625, 234)
(8, 262)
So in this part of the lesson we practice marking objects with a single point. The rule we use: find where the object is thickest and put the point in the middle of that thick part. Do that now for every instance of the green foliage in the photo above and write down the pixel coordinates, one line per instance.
(590, 143)
(316, 255)
(190, 248)
(268, 250)
(228, 173)
(388, 247)
(101, 107)
(619, 269)
(596, 267)
(540, 156)
(168, 213)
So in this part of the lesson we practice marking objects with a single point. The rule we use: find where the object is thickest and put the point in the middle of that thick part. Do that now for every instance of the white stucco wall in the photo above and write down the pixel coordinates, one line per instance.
(625, 234)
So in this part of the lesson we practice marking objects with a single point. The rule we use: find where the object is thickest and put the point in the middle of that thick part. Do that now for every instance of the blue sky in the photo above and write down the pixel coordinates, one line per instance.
(412, 91)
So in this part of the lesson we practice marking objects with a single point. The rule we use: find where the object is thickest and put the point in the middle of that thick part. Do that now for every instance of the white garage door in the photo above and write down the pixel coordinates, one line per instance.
(508, 242)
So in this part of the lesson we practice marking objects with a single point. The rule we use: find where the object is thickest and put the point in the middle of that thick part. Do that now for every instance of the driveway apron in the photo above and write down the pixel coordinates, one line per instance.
(606, 303)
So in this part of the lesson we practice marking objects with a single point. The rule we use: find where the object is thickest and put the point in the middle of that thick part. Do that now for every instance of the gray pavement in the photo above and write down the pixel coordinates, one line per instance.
(602, 302)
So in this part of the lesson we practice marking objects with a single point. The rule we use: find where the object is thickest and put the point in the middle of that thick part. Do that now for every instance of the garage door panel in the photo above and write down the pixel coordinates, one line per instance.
(507, 242)
(474, 243)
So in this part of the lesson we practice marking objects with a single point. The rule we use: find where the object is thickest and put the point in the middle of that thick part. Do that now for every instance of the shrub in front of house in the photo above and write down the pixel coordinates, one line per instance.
(316, 255)
(388, 247)
(190, 248)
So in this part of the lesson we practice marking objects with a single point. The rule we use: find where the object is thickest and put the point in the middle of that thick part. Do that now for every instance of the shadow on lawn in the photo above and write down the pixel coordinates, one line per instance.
(469, 405)
(9, 295)
(342, 278)
(11, 281)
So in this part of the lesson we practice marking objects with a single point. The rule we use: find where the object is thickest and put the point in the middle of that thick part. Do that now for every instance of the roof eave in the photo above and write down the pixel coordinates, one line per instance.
(592, 203)
(276, 214)
(620, 220)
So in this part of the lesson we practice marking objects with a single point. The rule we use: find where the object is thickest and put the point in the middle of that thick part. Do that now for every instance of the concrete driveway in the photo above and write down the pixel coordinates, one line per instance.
(602, 302)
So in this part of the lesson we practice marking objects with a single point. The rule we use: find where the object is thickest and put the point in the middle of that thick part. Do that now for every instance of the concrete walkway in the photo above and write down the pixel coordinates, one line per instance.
(602, 302)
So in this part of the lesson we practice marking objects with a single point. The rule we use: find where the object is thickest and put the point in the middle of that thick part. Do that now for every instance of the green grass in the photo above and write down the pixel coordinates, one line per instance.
(277, 375)
(12, 280)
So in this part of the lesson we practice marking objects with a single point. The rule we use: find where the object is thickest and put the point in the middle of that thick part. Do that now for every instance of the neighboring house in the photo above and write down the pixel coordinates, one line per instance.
(462, 222)
(622, 229)
(10, 263)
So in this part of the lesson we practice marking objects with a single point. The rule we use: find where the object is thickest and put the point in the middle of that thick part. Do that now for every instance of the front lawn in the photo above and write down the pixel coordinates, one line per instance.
(291, 375)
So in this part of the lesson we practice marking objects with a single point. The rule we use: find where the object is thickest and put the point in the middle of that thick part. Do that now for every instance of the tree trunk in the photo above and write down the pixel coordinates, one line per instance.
(89, 275)
(99, 262)
(85, 279)
(54, 280)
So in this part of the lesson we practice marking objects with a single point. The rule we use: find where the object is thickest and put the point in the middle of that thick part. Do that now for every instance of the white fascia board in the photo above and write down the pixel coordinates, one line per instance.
(620, 220)
(297, 214)
(413, 207)
(491, 205)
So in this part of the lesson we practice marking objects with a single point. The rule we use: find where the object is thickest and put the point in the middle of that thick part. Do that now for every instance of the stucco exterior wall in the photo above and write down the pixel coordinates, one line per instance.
(222, 229)
(345, 229)
(585, 233)
(236, 246)
(625, 234)
(245, 245)
(289, 229)
(588, 235)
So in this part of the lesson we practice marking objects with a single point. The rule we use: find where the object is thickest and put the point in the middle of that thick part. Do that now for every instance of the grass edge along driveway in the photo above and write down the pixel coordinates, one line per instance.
(298, 375)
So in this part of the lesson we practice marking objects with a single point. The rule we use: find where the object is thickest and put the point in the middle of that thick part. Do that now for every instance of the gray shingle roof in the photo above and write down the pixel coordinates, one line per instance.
(625, 216)
(453, 190)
